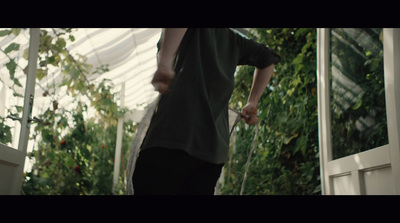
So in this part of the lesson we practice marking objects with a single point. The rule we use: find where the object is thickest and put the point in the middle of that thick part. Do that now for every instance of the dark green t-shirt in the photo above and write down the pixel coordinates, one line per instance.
(193, 116)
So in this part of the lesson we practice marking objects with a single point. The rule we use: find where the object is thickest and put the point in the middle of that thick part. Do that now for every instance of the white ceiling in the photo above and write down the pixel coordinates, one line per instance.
(129, 53)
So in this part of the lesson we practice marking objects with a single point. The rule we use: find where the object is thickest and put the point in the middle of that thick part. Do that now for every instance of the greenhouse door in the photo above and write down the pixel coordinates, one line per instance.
(12, 159)
(359, 110)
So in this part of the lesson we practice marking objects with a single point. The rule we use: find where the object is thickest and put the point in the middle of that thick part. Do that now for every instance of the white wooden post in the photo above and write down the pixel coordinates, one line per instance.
(323, 105)
(117, 159)
(392, 82)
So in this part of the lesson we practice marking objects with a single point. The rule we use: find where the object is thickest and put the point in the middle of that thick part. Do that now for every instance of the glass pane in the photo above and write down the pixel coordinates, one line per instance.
(13, 43)
(358, 111)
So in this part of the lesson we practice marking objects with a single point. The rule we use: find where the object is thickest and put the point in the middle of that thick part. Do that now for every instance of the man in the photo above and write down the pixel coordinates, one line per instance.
(187, 142)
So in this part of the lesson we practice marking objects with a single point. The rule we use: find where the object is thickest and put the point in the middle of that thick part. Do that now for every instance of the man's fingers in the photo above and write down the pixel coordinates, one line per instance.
(253, 120)
(161, 87)
(162, 80)
(244, 116)
(250, 119)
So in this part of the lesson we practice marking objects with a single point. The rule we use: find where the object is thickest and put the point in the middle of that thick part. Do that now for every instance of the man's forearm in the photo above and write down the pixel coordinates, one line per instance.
(164, 74)
(170, 42)
(260, 81)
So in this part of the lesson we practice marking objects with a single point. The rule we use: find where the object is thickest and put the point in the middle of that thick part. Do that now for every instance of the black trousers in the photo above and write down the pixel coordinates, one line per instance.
(161, 171)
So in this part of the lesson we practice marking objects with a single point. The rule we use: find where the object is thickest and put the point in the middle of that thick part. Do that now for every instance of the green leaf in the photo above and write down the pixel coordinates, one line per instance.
(4, 32)
(19, 108)
(282, 118)
(11, 66)
(298, 59)
(17, 95)
(45, 175)
(16, 82)
(68, 161)
(358, 104)
(295, 82)
(16, 31)
(26, 54)
(375, 64)
(50, 60)
(287, 139)
(61, 43)
(11, 47)
(40, 74)
(290, 91)
(301, 144)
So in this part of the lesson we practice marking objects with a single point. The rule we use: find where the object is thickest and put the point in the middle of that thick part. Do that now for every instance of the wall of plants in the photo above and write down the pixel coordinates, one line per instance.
(286, 158)
(74, 152)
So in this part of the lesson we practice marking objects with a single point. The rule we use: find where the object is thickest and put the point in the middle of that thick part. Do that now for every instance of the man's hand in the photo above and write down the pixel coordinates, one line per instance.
(162, 79)
(171, 39)
(249, 114)
(260, 80)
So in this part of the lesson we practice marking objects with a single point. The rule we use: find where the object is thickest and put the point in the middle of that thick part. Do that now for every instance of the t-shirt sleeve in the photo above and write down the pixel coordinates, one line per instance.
(255, 54)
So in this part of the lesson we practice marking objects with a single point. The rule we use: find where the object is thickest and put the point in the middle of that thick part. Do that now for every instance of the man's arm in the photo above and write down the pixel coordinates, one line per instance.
(171, 39)
(260, 81)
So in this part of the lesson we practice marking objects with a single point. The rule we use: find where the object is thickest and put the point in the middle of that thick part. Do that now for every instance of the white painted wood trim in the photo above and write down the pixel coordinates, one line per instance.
(118, 146)
(10, 156)
(29, 91)
(323, 106)
(381, 157)
(373, 158)
(391, 55)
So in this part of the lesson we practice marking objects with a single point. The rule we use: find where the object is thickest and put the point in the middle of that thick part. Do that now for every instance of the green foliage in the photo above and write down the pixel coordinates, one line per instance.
(285, 160)
(358, 93)
(80, 162)
(5, 132)
(73, 155)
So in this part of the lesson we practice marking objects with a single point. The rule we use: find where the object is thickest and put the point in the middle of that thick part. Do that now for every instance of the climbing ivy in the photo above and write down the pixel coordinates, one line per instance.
(285, 160)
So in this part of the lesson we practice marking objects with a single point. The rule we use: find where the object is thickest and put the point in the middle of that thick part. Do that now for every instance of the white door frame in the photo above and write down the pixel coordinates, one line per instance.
(353, 167)
(391, 56)
(12, 160)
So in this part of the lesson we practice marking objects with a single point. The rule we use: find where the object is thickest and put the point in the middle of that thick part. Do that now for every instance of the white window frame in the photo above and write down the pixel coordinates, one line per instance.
(381, 157)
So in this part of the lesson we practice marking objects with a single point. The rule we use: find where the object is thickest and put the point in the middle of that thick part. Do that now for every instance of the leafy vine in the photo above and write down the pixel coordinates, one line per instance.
(67, 159)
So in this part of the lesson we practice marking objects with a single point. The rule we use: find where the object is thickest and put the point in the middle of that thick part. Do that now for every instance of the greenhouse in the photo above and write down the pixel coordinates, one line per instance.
(72, 101)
